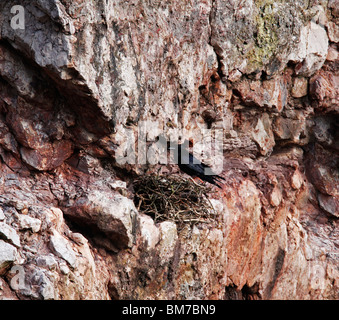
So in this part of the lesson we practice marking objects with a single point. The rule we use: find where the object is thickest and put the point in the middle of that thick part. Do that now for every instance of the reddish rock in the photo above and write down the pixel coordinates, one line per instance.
(322, 170)
(275, 197)
(325, 179)
(11, 161)
(49, 156)
(290, 130)
(324, 90)
(26, 131)
(7, 140)
(263, 134)
(333, 31)
(332, 54)
(297, 180)
(300, 87)
(245, 235)
(269, 93)
(329, 203)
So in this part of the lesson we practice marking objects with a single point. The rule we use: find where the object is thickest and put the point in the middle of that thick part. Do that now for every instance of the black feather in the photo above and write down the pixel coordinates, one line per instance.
(194, 167)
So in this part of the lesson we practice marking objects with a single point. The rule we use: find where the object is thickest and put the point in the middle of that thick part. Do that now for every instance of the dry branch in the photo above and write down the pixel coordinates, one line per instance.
(173, 198)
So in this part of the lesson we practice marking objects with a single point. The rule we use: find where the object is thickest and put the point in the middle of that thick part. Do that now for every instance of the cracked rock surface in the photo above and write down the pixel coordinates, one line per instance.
(84, 76)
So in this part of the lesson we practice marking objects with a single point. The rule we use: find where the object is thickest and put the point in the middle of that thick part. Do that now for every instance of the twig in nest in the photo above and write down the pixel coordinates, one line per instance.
(173, 198)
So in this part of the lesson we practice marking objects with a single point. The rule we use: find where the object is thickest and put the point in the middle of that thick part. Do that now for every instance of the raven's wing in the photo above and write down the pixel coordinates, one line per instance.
(197, 165)
(194, 167)
(190, 165)
(203, 168)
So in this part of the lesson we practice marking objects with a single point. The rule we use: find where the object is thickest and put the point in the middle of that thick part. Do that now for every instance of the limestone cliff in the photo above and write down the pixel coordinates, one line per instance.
(86, 89)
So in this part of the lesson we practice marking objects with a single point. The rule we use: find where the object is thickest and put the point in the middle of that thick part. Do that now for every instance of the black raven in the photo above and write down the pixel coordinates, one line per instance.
(194, 167)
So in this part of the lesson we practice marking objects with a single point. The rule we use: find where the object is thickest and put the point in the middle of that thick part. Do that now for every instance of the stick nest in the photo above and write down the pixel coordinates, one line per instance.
(173, 198)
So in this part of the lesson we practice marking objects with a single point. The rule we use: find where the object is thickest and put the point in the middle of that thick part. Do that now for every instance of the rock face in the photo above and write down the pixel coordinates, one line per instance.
(81, 80)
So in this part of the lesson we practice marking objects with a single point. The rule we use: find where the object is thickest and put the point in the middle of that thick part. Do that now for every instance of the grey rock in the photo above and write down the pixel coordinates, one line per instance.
(312, 49)
(119, 211)
(46, 261)
(8, 233)
(63, 248)
(255, 35)
(8, 254)
(112, 213)
(46, 287)
(64, 269)
(27, 222)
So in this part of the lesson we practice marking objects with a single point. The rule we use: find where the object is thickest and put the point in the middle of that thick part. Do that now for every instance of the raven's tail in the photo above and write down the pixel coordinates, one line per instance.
(214, 180)
(219, 177)
(218, 185)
